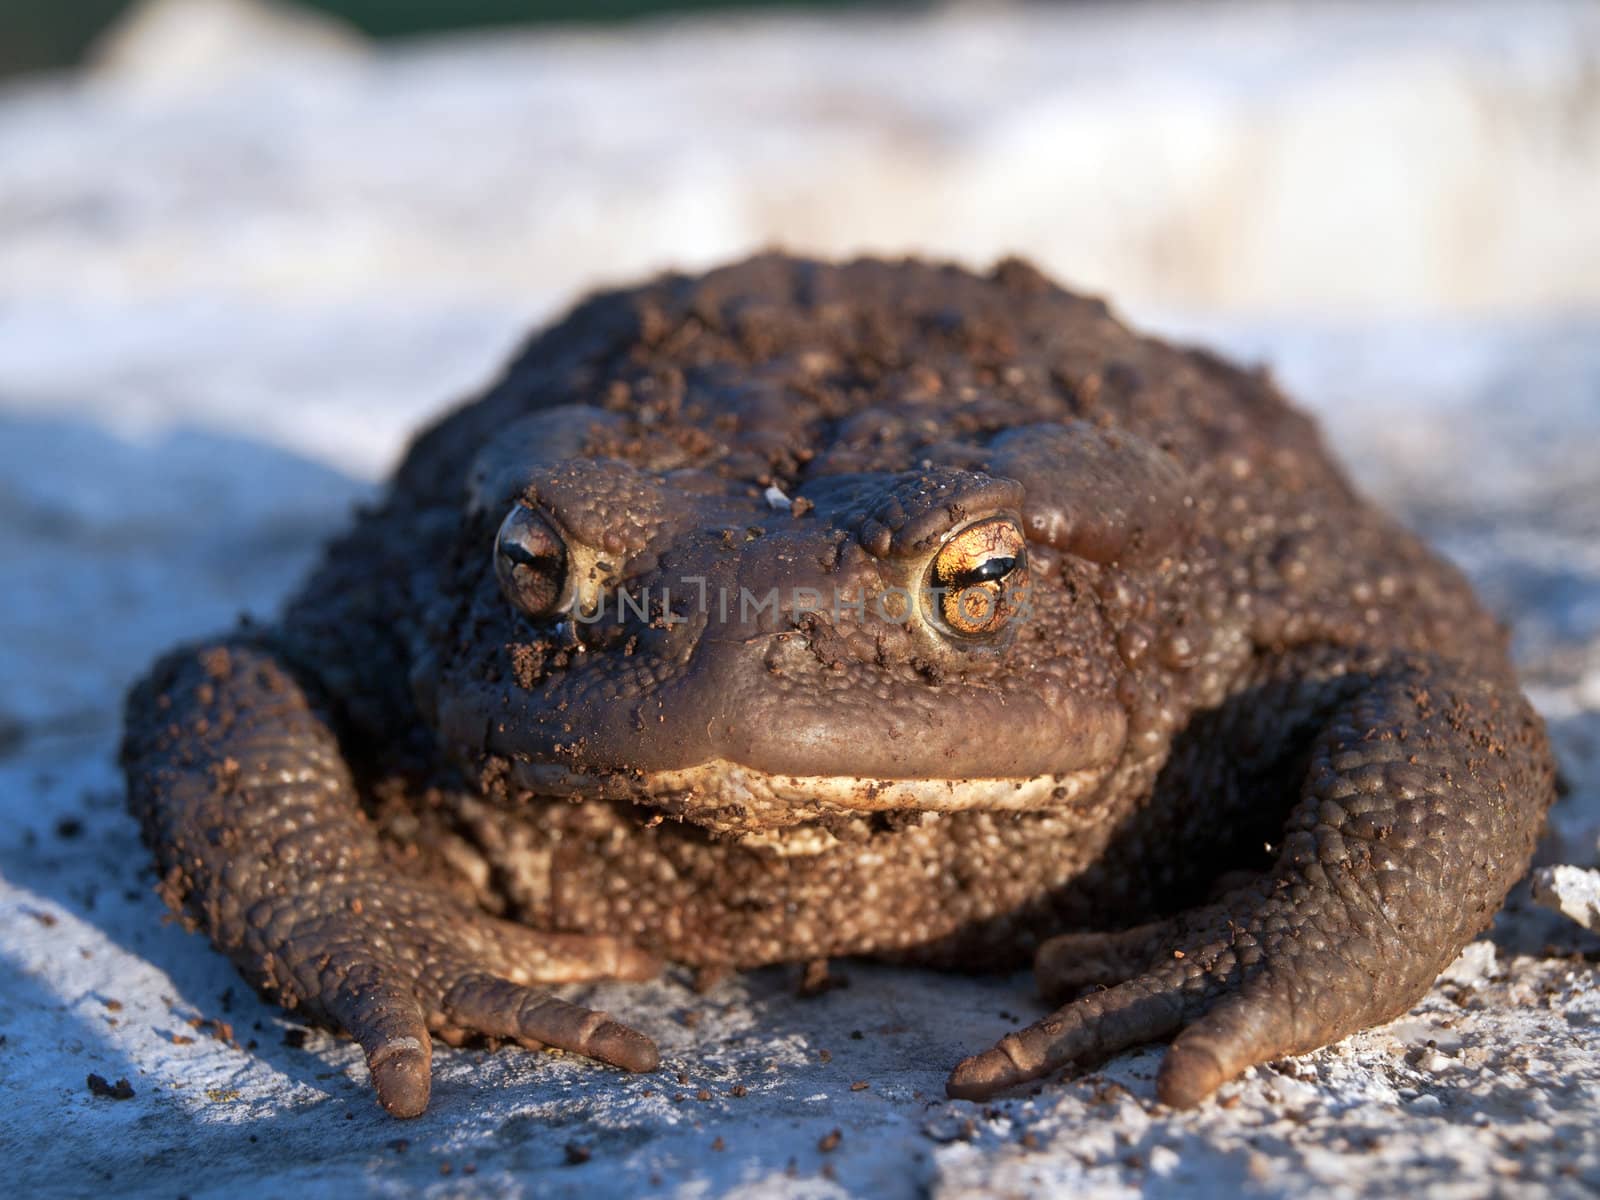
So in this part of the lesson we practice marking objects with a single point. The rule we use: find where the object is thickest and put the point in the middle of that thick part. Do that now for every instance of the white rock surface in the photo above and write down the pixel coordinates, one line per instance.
(225, 298)
(1570, 891)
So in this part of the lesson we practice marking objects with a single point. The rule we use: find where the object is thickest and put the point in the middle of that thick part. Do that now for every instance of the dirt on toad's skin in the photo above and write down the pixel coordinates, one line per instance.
(610, 662)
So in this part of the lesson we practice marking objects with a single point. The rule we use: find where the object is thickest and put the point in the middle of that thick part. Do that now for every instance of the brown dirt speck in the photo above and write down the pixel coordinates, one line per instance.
(121, 1090)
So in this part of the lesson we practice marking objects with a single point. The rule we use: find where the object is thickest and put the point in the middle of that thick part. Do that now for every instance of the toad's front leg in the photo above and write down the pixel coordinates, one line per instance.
(1420, 807)
(244, 796)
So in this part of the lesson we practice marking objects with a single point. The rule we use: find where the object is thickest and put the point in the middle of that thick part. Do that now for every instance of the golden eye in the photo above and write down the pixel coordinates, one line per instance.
(979, 578)
(530, 561)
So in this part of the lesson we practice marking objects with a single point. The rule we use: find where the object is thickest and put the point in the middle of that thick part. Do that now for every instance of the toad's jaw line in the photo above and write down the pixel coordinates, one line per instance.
(733, 798)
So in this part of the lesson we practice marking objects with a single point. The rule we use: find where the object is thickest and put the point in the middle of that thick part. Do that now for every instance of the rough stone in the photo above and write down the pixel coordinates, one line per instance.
(1574, 893)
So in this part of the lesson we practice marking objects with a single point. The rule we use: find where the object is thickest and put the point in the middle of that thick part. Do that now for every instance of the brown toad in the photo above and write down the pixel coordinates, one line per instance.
(800, 610)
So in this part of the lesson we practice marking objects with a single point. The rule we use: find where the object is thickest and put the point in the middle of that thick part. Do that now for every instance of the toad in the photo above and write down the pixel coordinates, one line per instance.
(799, 610)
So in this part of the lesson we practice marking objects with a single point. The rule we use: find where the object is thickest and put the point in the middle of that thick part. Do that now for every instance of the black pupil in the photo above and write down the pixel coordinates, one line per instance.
(521, 556)
(989, 569)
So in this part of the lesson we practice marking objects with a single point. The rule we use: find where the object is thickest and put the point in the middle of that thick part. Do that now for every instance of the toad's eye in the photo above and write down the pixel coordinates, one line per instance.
(530, 561)
(979, 578)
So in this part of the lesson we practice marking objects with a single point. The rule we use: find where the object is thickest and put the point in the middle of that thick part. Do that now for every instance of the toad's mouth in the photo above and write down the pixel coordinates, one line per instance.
(797, 814)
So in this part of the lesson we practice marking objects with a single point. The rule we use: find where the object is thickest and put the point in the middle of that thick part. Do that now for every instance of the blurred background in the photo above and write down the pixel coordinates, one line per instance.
(34, 36)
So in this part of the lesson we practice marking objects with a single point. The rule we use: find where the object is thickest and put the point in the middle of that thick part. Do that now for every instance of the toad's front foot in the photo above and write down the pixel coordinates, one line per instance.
(1419, 810)
(241, 789)
(1209, 978)
(390, 964)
